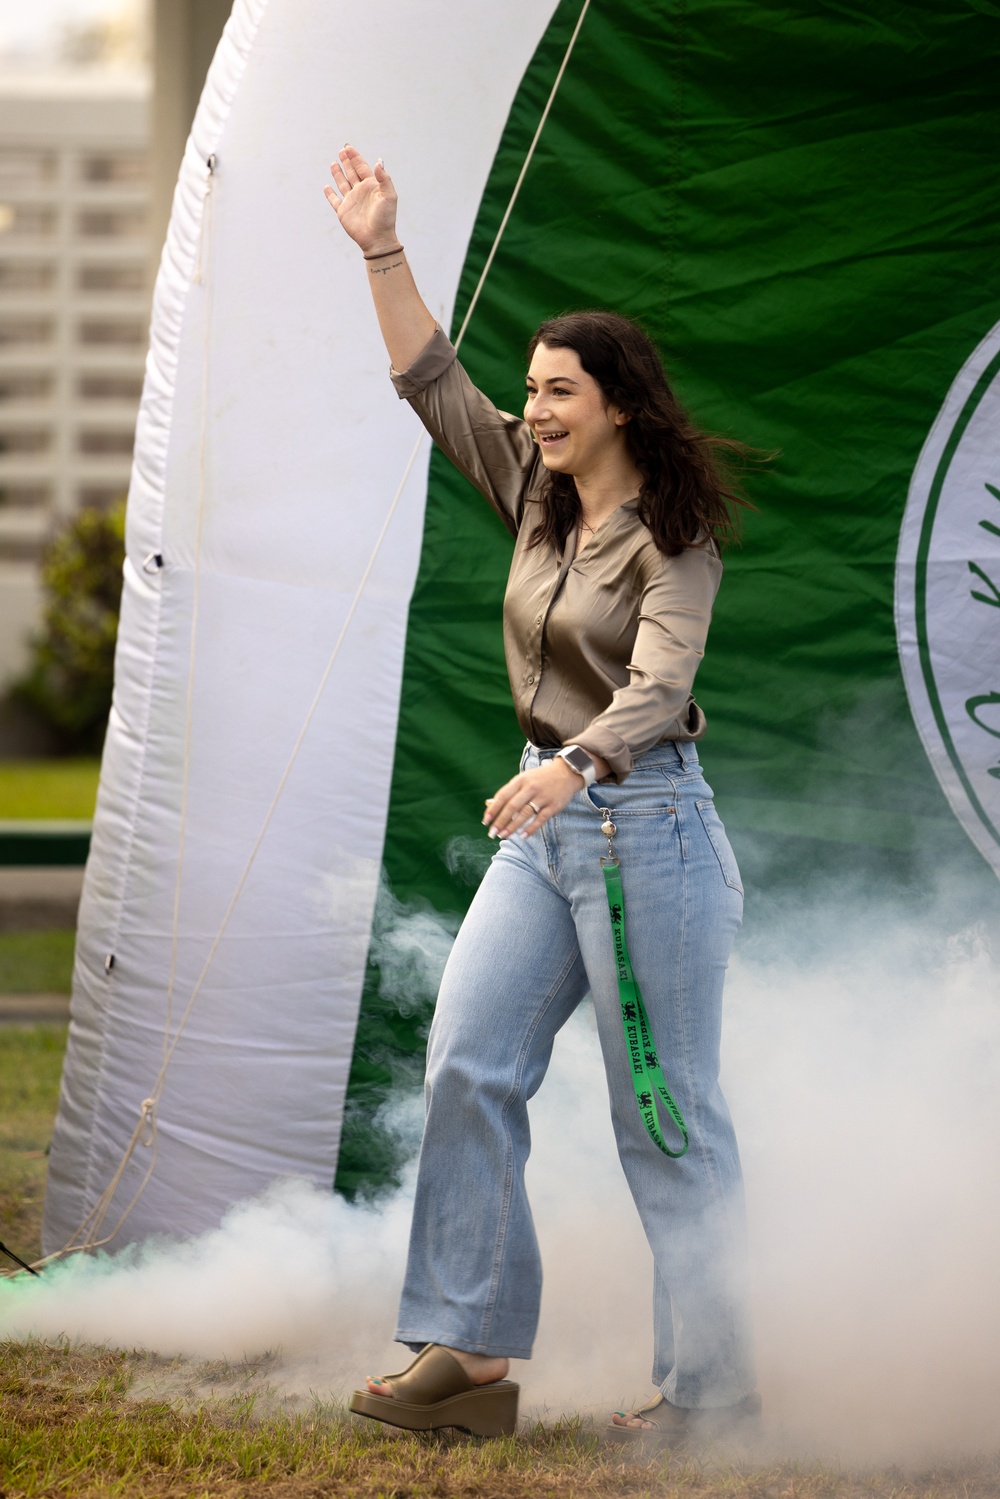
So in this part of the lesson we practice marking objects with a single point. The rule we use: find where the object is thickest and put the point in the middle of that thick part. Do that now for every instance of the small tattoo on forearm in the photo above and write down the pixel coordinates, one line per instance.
(381, 270)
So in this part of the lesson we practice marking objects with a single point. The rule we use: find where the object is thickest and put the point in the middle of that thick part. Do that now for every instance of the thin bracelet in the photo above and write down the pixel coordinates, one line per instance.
(396, 250)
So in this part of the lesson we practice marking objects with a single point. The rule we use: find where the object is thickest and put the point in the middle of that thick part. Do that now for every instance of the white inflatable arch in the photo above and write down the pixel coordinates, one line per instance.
(241, 814)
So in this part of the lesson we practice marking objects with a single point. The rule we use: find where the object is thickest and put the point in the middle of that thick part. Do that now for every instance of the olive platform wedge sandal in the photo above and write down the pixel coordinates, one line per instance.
(673, 1424)
(434, 1392)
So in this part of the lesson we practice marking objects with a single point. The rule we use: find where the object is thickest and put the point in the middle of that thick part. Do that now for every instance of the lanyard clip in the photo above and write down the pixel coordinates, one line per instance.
(609, 830)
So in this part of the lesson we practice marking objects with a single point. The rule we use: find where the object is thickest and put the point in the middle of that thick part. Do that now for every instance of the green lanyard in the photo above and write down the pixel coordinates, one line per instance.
(647, 1075)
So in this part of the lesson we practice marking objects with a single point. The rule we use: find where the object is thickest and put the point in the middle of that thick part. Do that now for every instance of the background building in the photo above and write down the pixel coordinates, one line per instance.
(75, 282)
(89, 150)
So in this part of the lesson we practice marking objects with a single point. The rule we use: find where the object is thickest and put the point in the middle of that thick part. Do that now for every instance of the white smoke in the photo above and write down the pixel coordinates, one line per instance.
(862, 1062)
(467, 859)
(410, 945)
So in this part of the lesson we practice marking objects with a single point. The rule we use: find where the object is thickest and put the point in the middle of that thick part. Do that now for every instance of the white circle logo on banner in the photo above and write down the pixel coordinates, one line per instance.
(948, 597)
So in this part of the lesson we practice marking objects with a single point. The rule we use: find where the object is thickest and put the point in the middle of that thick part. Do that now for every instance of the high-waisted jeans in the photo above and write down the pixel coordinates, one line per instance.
(537, 937)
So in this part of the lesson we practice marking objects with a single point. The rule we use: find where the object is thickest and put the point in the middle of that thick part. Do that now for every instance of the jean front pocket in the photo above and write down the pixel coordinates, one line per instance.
(648, 795)
(712, 823)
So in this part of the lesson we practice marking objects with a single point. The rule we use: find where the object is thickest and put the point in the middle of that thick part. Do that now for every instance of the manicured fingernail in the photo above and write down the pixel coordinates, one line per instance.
(380, 163)
(493, 833)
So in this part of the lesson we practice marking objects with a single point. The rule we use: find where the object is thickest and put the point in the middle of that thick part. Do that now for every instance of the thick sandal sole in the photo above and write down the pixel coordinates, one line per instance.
(647, 1436)
(490, 1411)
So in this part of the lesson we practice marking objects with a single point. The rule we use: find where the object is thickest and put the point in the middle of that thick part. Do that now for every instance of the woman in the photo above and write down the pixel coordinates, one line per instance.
(615, 507)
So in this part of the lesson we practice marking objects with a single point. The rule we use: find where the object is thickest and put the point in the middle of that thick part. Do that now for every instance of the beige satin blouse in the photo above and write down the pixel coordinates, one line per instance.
(602, 646)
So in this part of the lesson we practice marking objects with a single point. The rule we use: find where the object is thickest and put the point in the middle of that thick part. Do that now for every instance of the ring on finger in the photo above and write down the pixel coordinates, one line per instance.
(535, 808)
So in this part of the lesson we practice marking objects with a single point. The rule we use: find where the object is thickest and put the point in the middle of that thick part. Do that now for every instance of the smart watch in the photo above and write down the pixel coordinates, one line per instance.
(577, 759)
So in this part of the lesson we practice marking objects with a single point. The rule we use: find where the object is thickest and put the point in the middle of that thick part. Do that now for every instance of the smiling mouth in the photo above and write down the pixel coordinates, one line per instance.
(546, 438)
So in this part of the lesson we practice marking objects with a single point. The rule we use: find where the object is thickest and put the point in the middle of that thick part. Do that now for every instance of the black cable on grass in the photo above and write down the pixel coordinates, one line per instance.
(11, 1255)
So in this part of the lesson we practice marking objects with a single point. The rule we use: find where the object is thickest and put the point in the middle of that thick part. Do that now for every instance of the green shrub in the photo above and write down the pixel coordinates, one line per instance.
(68, 685)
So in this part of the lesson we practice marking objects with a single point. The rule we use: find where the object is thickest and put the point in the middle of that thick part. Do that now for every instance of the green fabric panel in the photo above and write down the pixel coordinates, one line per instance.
(800, 201)
(458, 738)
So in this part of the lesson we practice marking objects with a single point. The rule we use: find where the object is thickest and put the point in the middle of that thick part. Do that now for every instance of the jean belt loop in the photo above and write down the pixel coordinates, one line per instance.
(688, 752)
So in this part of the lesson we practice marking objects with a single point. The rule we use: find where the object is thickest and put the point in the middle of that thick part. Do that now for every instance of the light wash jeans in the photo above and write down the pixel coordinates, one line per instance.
(537, 937)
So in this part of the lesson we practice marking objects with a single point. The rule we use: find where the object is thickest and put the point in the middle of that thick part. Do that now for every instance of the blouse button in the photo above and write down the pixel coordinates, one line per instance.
(530, 680)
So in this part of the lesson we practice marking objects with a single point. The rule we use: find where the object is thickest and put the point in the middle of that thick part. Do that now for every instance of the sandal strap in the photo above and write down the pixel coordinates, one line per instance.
(661, 1415)
(653, 1405)
(435, 1374)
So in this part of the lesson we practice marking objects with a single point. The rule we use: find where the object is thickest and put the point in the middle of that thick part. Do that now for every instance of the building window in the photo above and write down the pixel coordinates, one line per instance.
(25, 496)
(118, 168)
(26, 221)
(25, 331)
(105, 444)
(25, 387)
(110, 278)
(109, 387)
(114, 334)
(20, 440)
(99, 496)
(26, 275)
(26, 168)
(111, 223)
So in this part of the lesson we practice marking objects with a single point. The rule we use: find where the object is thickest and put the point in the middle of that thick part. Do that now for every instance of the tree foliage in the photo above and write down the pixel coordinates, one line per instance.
(68, 685)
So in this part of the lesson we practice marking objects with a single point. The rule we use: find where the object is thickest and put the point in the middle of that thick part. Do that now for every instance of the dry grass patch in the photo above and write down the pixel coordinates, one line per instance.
(72, 1429)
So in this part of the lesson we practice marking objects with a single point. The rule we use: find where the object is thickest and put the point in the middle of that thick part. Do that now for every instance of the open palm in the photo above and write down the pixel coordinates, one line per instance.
(364, 200)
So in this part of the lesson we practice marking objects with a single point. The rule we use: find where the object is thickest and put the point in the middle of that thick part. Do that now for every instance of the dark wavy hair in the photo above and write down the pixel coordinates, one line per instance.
(690, 495)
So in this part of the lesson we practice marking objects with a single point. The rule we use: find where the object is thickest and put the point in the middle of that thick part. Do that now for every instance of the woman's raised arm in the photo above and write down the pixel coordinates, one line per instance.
(365, 203)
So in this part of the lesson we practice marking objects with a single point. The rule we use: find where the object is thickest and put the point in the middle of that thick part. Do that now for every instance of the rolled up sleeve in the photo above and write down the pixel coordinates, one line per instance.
(492, 448)
(675, 610)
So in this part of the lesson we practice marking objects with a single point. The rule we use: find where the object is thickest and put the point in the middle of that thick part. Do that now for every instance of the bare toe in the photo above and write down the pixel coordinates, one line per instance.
(638, 1420)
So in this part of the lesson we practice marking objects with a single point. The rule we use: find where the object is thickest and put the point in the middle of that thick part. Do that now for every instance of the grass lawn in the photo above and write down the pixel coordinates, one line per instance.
(36, 962)
(48, 788)
(79, 1423)
(92, 1423)
(30, 1067)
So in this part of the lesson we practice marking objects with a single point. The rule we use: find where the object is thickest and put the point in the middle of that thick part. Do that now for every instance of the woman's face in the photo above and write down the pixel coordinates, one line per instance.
(577, 430)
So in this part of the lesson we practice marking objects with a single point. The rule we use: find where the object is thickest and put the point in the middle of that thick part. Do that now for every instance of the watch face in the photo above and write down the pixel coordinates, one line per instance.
(579, 759)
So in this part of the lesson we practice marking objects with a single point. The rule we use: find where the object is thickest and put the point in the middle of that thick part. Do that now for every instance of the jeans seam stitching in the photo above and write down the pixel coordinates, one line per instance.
(700, 805)
(696, 1102)
(491, 1300)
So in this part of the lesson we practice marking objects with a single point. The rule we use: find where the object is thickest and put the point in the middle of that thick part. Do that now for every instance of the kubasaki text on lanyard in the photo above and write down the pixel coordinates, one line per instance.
(647, 1074)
